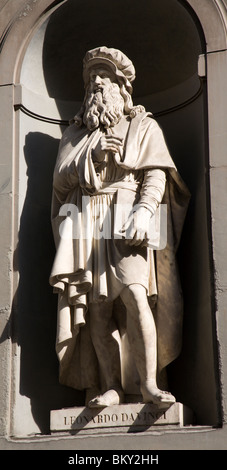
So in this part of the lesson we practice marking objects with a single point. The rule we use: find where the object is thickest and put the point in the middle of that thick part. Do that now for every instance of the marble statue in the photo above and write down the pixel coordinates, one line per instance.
(119, 300)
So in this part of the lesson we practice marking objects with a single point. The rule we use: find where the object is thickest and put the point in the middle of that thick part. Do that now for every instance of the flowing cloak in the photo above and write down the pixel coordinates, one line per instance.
(72, 276)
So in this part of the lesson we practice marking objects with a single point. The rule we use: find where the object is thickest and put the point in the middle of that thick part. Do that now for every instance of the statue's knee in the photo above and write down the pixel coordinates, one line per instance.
(134, 294)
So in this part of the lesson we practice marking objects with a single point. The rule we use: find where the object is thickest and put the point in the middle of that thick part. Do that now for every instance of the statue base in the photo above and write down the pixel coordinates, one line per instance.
(134, 417)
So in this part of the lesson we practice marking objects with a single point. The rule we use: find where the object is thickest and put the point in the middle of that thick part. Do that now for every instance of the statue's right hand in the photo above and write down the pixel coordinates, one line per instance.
(107, 143)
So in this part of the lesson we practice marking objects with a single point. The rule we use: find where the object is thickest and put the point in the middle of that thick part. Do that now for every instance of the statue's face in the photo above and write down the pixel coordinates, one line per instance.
(101, 77)
(104, 104)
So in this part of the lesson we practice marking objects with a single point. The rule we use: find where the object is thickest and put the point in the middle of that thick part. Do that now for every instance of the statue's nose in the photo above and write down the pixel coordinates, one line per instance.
(98, 79)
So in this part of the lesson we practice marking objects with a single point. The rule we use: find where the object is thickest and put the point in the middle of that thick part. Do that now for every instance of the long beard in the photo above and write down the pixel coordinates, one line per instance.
(104, 107)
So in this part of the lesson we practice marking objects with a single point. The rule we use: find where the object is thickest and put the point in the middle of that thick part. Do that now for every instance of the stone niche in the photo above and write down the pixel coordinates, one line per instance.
(164, 41)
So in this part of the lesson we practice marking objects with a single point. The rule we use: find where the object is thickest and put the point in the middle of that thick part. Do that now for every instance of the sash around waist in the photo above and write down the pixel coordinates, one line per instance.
(108, 188)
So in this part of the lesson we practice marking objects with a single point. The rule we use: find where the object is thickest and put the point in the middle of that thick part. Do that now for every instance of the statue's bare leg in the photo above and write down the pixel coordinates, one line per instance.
(142, 336)
(105, 338)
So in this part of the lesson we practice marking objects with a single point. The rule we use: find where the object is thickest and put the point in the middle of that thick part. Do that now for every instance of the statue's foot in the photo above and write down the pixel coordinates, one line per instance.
(152, 394)
(90, 394)
(109, 398)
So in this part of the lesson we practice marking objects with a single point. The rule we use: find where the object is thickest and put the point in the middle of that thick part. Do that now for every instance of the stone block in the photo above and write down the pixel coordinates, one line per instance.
(138, 416)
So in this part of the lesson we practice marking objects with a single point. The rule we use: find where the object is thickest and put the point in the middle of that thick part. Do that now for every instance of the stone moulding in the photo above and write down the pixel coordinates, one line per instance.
(212, 15)
(64, 122)
(23, 18)
(33, 115)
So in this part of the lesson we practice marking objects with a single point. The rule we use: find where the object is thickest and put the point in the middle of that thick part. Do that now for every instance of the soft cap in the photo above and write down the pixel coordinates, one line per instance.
(115, 59)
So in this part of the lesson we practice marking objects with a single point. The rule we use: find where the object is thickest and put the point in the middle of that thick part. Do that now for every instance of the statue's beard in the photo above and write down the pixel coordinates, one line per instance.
(104, 107)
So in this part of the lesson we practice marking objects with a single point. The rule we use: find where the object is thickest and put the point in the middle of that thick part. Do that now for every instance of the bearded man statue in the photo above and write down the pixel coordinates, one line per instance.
(120, 302)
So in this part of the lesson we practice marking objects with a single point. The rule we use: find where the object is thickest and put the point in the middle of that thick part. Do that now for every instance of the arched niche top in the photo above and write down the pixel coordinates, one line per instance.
(22, 18)
(165, 55)
(212, 15)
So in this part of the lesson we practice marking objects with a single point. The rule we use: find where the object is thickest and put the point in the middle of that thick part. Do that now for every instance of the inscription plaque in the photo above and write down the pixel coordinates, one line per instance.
(126, 415)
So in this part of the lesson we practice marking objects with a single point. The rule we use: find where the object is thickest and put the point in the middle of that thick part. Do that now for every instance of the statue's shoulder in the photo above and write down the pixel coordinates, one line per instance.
(71, 135)
(147, 121)
(72, 131)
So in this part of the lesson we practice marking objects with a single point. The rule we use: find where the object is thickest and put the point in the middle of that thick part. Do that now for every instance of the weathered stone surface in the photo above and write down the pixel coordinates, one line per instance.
(126, 415)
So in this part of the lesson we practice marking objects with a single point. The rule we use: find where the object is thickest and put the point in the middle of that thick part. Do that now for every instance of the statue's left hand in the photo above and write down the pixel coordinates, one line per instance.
(139, 227)
(107, 143)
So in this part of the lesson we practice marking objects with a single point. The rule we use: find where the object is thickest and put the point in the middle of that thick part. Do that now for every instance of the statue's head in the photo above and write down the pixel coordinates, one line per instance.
(108, 75)
(113, 59)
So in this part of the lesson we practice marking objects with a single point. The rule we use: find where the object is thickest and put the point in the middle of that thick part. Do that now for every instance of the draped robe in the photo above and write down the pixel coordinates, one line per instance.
(92, 269)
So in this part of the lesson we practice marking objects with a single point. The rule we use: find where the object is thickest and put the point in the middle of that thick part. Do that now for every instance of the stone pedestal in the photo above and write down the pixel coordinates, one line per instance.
(134, 417)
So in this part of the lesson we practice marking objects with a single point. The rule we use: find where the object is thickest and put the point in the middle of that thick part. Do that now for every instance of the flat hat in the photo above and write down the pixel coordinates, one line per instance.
(115, 59)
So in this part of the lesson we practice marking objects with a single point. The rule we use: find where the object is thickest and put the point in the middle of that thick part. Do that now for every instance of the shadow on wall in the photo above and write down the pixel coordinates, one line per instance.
(37, 306)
